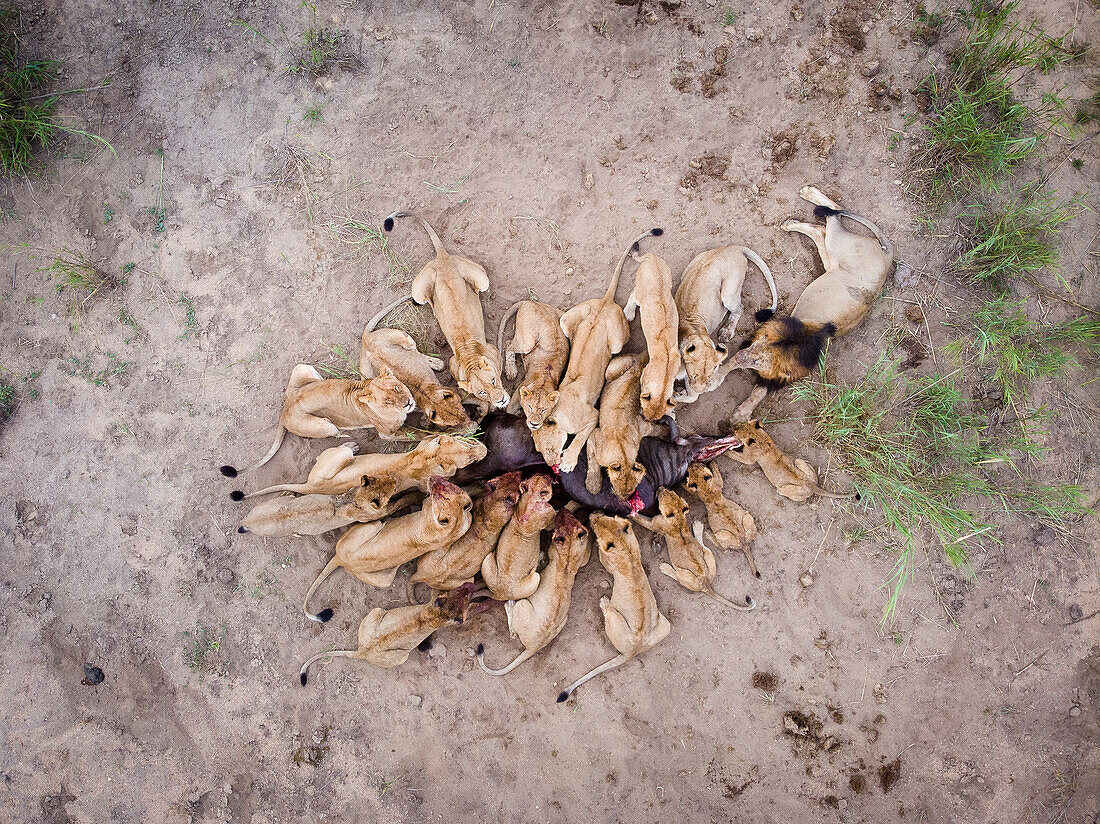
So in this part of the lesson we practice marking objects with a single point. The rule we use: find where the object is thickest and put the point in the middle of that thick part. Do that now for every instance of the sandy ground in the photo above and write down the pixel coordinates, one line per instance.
(538, 138)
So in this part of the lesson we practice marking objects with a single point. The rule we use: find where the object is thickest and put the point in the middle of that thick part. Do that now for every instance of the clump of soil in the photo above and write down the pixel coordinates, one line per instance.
(808, 733)
(765, 681)
(888, 774)
(858, 784)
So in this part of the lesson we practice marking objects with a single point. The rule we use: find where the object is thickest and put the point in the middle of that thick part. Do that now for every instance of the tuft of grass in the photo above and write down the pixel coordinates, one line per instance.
(1018, 238)
(191, 328)
(919, 454)
(76, 271)
(1017, 351)
(369, 239)
(727, 17)
(201, 650)
(9, 400)
(315, 114)
(341, 364)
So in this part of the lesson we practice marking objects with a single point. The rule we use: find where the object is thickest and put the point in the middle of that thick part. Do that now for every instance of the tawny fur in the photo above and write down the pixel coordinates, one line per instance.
(631, 619)
(394, 351)
(449, 567)
(614, 445)
(692, 562)
(316, 407)
(652, 293)
(597, 331)
(338, 469)
(792, 478)
(537, 619)
(388, 636)
(317, 514)
(545, 349)
(710, 292)
(374, 552)
(509, 570)
(731, 526)
(451, 286)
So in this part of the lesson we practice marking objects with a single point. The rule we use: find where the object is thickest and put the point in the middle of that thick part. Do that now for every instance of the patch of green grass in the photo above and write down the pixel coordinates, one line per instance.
(9, 400)
(28, 121)
(85, 368)
(157, 213)
(727, 17)
(312, 54)
(927, 24)
(315, 114)
(341, 365)
(73, 270)
(1016, 350)
(1017, 239)
(108, 214)
(202, 650)
(191, 328)
(983, 118)
(921, 456)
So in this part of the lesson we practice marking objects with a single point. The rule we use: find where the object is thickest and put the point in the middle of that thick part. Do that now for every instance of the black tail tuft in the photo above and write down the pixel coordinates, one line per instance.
(635, 248)
(387, 224)
(425, 645)
(229, 471)
(303, 676)
(657, 232)
(236, 495)
(749, 601)
(825, 211)
(758, 573)
(564, 696)
(242, 529)
(858, 497)
(325, 615)
(829, 329)
(480, 649)
(764, 314)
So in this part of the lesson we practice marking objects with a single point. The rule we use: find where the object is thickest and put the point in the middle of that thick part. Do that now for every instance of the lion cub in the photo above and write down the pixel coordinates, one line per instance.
(709, 291)
(374, 552)
(317, 514)
(631, 619)
(388, 636)
(509, 571)
(451, 285)
(731, 526)
(538, 619)
(615, 443)
(794, 479)
(693, 564)
(394, 351)
(660, 324)
(316, 407)
(545, 349)
(449, 567)
(338, 469)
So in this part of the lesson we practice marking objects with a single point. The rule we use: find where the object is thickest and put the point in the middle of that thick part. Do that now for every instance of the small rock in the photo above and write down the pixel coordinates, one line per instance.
(796, 12)
(569, 270)
(753, 34)
(415, 700)
(589, 181)
(1074, 711)
(1075, 612)
(806, 579)
(92, 675)
(437, 651)
(871, 68)
(226, 576)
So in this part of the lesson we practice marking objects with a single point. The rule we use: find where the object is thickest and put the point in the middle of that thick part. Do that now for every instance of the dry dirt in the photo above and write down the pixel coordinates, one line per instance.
(538, 137)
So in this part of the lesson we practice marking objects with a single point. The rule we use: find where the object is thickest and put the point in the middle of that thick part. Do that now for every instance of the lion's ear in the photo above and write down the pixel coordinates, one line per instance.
(365, 396)
(552, 397)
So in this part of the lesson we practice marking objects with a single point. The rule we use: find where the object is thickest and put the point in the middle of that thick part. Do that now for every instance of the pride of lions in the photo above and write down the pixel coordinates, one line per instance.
(580, 449)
